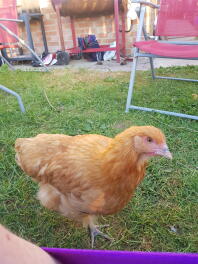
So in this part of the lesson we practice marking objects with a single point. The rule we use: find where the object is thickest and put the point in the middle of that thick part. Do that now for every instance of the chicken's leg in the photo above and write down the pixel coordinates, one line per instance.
(89, 221)
(94, 231)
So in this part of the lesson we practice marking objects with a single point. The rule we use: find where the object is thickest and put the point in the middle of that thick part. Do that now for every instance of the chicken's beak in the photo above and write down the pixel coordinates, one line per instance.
(164, 151)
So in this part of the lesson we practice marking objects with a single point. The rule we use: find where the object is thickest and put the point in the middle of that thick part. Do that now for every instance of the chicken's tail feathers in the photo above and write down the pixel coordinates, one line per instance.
(18, 144)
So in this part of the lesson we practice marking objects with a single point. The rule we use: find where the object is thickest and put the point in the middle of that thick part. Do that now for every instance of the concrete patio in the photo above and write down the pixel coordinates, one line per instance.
(143, 64)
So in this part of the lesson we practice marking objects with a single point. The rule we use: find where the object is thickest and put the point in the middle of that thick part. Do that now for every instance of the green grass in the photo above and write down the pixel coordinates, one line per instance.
(94, 102)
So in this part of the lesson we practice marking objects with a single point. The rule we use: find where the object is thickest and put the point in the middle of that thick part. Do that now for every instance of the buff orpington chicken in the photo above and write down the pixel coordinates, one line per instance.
(86, 176)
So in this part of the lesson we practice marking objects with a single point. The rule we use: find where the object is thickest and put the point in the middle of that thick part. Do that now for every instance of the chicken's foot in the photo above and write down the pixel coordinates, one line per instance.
(94, 231)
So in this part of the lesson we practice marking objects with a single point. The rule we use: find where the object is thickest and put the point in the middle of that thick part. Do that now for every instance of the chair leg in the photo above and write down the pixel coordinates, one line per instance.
(7, 62)
(131, 84)
(16, 95)
(24, 44)
(152, 68)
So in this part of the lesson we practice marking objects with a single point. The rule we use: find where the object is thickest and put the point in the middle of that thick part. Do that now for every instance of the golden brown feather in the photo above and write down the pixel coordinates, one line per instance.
(88, 175)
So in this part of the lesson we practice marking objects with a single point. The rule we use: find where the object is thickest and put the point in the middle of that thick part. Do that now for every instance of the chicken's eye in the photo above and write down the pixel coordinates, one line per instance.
(149, 139)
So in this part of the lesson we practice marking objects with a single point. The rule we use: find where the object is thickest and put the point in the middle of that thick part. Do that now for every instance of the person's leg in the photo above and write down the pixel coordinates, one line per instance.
(15, 250)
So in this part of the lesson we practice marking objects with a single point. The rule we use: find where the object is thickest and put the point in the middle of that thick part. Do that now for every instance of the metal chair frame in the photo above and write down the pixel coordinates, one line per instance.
(8, 31)
(137, 53)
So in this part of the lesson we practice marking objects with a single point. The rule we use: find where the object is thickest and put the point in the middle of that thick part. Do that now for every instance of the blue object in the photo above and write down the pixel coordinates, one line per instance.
(16, 95)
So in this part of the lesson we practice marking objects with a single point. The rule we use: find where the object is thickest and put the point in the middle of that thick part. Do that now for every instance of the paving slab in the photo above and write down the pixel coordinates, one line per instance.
(113, 66)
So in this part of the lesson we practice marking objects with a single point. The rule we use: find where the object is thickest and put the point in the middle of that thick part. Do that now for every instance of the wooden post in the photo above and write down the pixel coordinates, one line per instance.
(73, 32)
(123, 34)
(60, 29)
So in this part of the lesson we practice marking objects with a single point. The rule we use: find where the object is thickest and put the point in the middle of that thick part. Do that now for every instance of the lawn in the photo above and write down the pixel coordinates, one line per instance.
(163, 214)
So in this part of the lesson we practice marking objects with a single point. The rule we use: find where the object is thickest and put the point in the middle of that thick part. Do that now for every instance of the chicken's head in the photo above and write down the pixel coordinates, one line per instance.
(150, 141)
(145, 141)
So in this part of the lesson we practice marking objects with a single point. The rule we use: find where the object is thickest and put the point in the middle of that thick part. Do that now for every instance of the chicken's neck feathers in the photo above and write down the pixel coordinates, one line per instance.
(121, 160)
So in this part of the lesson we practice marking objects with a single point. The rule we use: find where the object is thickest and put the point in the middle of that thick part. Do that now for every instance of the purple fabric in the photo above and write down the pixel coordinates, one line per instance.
(83, 256)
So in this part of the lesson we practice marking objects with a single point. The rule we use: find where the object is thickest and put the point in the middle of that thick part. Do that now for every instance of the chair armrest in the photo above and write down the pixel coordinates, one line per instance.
(141, 2)
(12, 20)
(180, 42)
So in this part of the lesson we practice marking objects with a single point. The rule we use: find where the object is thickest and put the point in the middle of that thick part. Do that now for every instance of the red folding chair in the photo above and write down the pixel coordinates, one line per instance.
(177, 18)
(8, 11)
(9, 29)
(9, 38)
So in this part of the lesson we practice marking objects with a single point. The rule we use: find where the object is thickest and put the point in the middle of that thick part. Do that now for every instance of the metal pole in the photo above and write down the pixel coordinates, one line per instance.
(44, 35)
(116, 16)
(131, 84)
(163, 112)
(9, 19)
(26, 19)
(7, 62)
(16, 95)
(152, 68)
(24, 44)
(141, 24)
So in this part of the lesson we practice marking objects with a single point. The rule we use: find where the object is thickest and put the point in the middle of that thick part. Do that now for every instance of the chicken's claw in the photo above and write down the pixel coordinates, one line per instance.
(94, 231)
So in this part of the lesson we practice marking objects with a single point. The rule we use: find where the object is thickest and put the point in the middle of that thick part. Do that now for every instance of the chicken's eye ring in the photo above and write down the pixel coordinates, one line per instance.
(149, 139)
